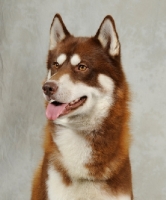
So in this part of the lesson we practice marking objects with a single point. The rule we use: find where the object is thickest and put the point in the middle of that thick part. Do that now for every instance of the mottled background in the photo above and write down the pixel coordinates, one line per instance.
(24, 33)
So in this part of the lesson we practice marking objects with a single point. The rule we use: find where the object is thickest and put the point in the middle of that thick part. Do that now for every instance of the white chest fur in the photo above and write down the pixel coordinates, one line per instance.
(78, 190)
(75, 152)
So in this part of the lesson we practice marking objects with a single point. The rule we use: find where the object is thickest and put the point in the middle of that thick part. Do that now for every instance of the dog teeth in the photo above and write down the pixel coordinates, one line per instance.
(75, 101)
(51, 100)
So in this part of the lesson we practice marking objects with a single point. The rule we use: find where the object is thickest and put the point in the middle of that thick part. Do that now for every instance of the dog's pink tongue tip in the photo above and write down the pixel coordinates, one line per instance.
(53, 112)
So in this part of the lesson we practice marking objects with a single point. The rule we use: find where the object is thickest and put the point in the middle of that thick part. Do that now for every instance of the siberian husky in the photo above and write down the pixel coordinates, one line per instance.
(86, 145)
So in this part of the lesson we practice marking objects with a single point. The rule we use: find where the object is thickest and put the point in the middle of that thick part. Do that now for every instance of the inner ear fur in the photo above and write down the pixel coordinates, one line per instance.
(108, 37)
(58, 31)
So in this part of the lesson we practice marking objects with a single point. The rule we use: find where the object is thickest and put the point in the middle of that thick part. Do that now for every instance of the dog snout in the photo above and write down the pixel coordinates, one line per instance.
(49, 88)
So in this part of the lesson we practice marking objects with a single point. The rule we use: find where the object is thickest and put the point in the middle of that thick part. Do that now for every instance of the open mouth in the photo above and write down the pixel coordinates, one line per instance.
(56, 109)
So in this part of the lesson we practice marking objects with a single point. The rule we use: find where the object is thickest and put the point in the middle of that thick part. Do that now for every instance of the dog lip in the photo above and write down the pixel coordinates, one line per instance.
(73, 105)
(57, 103)
(77, 100)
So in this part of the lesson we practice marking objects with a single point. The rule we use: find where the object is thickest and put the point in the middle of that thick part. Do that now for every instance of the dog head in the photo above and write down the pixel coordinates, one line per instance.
(83, 74)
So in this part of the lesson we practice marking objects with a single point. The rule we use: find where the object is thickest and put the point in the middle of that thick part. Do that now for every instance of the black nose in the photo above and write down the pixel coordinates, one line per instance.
(49, 88)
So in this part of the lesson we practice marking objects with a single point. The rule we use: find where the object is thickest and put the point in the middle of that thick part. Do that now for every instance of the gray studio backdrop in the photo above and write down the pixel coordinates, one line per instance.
(24, 37)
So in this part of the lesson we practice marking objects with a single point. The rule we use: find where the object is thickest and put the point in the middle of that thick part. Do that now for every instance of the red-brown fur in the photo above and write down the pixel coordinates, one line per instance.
(110, 143)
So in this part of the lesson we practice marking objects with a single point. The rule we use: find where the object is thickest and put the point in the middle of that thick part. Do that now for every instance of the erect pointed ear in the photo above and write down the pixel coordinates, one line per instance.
(58, 31)
(108, 36)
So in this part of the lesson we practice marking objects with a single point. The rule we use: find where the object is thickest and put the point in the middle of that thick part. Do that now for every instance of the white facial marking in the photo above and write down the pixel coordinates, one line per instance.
(75, 60)
(61, 59)
(106, 82)
(49, 74)
(108, 85)
(96, 107)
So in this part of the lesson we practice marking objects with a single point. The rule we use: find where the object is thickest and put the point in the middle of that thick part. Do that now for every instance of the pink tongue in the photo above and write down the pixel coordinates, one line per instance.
(53, 112)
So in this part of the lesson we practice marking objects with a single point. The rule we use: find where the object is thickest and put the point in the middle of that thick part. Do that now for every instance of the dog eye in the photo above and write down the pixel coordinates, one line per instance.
(81, 67)
(55, 64)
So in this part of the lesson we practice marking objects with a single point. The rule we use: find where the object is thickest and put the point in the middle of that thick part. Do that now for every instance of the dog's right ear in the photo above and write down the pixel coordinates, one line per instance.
(58, 31)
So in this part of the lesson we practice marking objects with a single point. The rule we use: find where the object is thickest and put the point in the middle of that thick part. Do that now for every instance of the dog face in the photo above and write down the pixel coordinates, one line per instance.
(83, 74)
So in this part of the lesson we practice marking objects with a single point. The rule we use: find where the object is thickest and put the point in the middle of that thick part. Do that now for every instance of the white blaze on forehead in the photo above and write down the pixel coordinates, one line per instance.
(61, 59)
(75, 59)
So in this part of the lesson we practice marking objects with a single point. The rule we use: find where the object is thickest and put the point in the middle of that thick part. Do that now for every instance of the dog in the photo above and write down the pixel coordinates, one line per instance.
(87, 138)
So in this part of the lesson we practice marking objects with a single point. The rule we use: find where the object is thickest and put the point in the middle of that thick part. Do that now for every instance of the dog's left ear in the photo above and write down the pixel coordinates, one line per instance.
(108, 36)
(58, 31)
